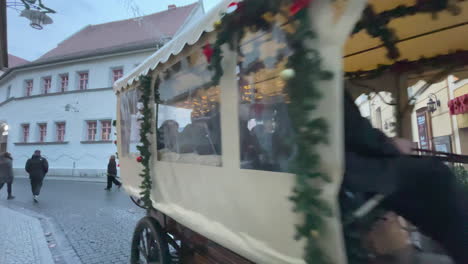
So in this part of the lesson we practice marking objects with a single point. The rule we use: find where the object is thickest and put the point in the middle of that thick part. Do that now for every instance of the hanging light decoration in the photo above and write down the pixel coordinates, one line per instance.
(35, 11)
(37, 18)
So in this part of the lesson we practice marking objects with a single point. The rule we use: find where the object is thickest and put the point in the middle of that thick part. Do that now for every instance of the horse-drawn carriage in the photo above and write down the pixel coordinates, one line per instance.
(231, 135)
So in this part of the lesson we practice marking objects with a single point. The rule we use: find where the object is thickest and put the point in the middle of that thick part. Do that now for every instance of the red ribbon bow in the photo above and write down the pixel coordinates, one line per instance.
(299, 5)
(208, 51)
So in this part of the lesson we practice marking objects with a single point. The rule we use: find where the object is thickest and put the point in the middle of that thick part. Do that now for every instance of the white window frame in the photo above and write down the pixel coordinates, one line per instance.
(112, 74)
(57, 134)
(101, 129)
(25, 138)
(78, 75)
(40, 138)
(87, 130)
(27, 91)
(60, 82)
(46, 90)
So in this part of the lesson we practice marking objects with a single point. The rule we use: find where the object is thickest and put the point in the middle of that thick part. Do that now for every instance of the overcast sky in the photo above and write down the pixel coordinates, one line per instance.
(71, 16)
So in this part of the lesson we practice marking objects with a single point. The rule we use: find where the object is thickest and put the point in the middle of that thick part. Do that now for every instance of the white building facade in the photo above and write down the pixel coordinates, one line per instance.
(65, 106)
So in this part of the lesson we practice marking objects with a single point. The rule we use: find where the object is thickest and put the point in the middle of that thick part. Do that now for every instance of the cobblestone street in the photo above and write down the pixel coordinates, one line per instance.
(97, 224)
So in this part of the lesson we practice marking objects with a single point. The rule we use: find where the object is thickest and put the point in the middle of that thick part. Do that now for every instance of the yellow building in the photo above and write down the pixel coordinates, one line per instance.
(433, 127)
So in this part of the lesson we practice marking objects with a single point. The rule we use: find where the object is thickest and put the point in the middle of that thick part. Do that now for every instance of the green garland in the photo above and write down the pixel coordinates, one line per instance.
(310, 133)
(145, 134)
(376, 25)
(452, 60)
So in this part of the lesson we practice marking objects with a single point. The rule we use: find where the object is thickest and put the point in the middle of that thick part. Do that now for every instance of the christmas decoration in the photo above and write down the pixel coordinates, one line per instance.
(452, 60)
(208, 51)
(146, 133)
(217, 25)
(377, 24)
(287, 74)
(232, 7)
(298, 5)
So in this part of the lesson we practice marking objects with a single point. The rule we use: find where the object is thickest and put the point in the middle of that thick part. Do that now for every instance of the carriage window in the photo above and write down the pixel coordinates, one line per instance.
(189, 127)
(265, 129)
(130, 126)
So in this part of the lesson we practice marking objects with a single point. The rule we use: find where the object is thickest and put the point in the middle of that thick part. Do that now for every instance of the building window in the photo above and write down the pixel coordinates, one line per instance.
(42, 132)
(47, 83)
(29, 87)
(83, 82)
(60, 132)
(91, 130)
(106, 129)
(25, 129)
(8, 93)
(63, 82)
(117, 74)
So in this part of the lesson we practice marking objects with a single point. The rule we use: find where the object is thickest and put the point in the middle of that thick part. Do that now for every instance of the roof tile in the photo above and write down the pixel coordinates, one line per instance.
(145, 29)
(14, 61)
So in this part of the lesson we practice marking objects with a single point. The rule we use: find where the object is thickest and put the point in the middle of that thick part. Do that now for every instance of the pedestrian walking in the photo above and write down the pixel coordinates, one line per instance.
(37, 167)
(6, 172)
(112, 174)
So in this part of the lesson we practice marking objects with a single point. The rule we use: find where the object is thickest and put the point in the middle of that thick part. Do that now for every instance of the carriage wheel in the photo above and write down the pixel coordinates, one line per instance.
(138, 202)
(149, 244)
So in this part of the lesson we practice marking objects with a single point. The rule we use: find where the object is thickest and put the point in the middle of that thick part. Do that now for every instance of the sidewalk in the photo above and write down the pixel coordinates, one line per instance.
(22, 239)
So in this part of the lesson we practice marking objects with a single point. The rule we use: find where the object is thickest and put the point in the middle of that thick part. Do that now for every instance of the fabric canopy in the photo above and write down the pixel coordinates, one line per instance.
(422, 35)
(188, 36)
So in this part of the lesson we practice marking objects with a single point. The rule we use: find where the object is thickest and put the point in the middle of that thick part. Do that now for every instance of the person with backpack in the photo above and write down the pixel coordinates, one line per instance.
(37, 168)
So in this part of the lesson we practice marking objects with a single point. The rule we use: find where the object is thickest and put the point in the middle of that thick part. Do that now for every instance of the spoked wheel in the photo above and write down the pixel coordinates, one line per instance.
(138, 202)
(149, 244)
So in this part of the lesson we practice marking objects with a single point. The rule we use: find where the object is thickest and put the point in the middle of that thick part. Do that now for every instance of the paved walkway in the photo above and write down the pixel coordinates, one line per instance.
(22, 239)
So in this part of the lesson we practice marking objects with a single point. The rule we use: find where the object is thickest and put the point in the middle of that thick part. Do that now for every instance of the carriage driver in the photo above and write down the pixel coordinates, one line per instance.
(422, 190)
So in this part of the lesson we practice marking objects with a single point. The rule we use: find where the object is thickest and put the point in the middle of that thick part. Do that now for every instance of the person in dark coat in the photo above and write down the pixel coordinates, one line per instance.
(6, 172)
(422, 190)
(112, 174)
(37, 167)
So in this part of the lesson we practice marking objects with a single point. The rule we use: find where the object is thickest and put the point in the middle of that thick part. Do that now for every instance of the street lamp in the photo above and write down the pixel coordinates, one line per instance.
(432, 104)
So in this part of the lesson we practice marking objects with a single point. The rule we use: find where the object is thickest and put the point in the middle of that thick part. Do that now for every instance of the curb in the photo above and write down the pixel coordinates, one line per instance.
(68, 178)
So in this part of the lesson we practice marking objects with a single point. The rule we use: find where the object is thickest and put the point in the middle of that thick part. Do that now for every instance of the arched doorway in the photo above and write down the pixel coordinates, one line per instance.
(3, 136)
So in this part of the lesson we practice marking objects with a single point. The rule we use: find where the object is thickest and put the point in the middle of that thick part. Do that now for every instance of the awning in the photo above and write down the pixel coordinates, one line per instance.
(188, 36)
(421, 35)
